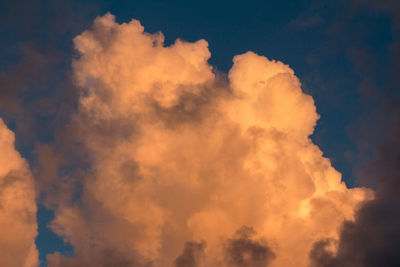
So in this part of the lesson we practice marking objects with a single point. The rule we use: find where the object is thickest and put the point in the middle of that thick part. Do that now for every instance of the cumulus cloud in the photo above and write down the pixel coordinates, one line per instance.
(178, 154)
(18, 227)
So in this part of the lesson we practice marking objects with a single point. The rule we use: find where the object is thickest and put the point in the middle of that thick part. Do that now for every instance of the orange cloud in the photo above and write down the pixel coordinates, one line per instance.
(18, 227)
(178, 157)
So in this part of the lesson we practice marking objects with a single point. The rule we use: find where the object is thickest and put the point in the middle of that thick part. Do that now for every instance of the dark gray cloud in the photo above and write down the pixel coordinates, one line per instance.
(373, 239)
(191, 254)
(36, 93)
(244, 251)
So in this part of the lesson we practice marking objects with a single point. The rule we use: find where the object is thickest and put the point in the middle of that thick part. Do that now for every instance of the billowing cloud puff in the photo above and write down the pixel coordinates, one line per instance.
(18, 227)
(186, 168)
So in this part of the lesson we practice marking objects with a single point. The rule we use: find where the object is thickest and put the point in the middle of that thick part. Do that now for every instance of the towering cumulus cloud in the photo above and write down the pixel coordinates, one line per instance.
(18, 227)
(187, 167)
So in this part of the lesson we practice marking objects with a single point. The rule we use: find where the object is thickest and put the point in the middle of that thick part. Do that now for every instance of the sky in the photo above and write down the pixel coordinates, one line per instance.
(194, 133)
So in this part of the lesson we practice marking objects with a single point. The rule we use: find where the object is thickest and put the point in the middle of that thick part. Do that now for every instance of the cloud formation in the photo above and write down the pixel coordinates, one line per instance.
(180, 158)
(373, 238)
(18, 227)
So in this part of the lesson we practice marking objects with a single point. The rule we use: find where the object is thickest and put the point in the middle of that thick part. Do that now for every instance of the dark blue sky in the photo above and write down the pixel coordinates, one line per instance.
(342, 52)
